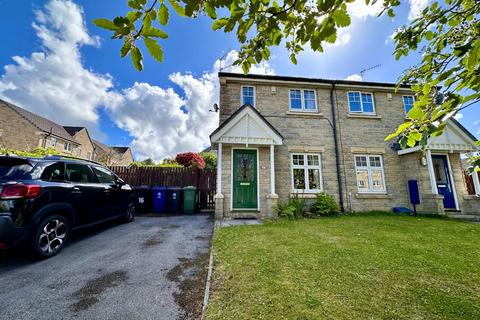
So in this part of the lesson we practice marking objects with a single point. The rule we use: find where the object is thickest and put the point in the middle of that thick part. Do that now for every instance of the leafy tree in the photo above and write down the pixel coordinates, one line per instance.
(190, 159)
(447, 33)
(210, 159)
(148, 162)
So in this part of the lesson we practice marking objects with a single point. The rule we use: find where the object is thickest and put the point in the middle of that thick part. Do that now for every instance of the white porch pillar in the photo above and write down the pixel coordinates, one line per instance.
(431, 172)
(476, 183)
(219, 169)
(272, 169)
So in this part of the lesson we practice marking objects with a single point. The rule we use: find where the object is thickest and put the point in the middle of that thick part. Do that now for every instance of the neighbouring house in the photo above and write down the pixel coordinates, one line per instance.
(113, 156)
(86, 150)
(23, 130)
(287, 136)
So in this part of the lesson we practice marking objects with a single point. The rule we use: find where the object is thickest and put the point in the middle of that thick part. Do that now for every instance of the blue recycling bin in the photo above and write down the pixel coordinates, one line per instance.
(159, 195)
(174, 201)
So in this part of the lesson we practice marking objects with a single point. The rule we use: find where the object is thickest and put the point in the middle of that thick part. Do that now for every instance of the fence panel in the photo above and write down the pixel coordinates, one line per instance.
(204, 180)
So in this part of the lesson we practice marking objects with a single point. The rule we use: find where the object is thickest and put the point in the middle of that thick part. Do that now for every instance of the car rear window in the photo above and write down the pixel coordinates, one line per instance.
(11, 168)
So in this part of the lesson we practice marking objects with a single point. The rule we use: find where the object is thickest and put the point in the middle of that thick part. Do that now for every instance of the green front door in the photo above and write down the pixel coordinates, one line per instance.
(244, 179)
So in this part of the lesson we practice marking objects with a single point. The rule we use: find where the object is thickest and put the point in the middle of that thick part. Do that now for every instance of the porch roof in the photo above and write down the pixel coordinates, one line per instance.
(455, 138)
(246, 126)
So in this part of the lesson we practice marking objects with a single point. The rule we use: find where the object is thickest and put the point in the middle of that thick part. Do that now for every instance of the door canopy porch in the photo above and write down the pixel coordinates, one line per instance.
(455, 138)
(248, 127)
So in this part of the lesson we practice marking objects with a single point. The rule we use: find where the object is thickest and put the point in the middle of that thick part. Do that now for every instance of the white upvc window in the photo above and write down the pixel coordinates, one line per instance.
(370, 175)
(67, 146)
(306, 172)
(303, 100)
(361, 102)
(408, 102)
(52, 142)
(248, 95)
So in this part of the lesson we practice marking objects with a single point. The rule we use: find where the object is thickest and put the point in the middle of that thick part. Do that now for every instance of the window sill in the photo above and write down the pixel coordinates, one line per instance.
(364, 116)
(310, 114)
(305, 195)
(373, 196)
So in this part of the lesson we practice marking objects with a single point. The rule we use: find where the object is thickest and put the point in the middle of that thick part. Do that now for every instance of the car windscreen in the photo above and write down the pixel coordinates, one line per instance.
(13, 168)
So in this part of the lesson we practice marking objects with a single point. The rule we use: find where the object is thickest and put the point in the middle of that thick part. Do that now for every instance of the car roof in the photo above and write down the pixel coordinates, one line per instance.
(53, 158)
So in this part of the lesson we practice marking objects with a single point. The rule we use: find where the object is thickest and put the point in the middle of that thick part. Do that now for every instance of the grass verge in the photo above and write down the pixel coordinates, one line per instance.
(351, 267)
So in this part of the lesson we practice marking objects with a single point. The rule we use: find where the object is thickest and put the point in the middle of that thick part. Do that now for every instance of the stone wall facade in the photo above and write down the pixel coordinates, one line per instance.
(86, 149)
(16, 132)
(357, 134)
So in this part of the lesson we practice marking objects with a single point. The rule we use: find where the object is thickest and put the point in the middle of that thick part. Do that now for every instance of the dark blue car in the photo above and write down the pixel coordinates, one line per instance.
(42, 200)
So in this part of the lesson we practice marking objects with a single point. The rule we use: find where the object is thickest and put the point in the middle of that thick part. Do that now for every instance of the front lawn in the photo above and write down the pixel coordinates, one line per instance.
(352, 267)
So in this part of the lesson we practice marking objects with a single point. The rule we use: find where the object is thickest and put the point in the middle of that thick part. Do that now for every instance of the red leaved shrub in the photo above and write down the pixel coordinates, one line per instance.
(190, 159)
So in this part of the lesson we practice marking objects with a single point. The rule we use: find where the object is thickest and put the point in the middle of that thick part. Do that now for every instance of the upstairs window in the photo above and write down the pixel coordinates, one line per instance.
(248, 95)
(369, 172)
(361, 102)
(408, 103)
(303, 100)
(67, 146)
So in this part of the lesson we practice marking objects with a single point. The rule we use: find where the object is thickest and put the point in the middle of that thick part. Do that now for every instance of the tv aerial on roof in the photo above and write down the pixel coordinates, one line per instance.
(362, 72)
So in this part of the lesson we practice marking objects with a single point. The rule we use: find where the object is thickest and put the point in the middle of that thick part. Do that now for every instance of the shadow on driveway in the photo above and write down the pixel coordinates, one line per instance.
(152, 268)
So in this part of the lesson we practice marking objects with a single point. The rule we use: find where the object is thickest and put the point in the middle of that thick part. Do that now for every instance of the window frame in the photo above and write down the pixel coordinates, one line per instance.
(369, 173)
(302, 99)
(374, 112)
(306, 167)
(254, 95)
(52, 142)
(403, 102)
(67, 146)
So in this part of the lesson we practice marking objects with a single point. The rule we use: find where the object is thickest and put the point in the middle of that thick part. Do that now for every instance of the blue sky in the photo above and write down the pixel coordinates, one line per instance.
(129, 107)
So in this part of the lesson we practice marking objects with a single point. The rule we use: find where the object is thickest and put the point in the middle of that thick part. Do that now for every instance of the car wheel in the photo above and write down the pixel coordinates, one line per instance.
(130, 214)
(50, 236)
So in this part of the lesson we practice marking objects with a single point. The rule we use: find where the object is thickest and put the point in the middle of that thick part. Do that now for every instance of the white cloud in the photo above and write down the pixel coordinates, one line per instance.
(342, 39)
(458, 116)
(154, 116)
(54, 83)
(416, 7)
(354, 77)
(360, 9)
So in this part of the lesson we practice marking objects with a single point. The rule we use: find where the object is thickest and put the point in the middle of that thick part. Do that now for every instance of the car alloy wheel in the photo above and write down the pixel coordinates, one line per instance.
(130, 215)
(52, 237)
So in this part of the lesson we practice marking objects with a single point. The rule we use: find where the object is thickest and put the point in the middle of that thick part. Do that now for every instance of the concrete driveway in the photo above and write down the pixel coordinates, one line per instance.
(152, 268)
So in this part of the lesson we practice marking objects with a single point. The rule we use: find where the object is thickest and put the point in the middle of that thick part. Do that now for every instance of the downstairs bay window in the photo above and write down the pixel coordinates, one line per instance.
(306, 172)
(369, 173)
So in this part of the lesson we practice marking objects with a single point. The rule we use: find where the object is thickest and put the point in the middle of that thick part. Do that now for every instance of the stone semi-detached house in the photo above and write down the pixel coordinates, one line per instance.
(113, 156)
(285, 136)
(23, 130)
(86, 149)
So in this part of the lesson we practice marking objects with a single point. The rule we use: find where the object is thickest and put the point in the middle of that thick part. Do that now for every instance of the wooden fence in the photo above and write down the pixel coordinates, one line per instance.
(204, 180)
(469, 182)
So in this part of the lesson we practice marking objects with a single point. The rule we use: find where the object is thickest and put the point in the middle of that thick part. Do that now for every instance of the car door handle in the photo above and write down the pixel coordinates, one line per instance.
(76, 191)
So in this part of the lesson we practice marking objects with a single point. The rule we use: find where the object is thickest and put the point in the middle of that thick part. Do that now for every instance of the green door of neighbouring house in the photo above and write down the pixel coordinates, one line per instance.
(245, 179)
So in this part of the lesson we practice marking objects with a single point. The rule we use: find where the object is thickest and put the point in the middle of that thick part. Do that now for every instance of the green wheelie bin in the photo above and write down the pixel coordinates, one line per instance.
(189, 199)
